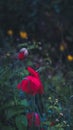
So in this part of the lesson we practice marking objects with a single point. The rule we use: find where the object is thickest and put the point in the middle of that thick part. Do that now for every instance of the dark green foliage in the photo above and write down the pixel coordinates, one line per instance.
(56, 85)
(21, 122)
(10, 102)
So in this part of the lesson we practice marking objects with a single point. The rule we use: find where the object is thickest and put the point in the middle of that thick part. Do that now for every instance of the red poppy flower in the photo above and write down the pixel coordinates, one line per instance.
(33, 118)
(33, 72)
(32, 83)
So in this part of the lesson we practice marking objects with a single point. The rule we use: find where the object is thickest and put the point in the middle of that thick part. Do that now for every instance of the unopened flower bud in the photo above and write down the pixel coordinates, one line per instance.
(25, 51)
(22, 53)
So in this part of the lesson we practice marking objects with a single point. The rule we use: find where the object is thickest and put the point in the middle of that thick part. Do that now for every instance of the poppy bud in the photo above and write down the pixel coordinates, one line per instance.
(33, 118)
(22, 54)
(24, 50)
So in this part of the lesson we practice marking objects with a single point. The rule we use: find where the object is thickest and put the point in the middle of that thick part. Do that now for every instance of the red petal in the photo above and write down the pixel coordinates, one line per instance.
(21, 56)
(31, 85)
(33, 72)
(34, 85)
(37, 119)
(24, 86)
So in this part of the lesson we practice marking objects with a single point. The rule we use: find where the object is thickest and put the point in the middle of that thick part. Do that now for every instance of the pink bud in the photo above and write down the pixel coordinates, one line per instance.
(25, 51)
(22, 53)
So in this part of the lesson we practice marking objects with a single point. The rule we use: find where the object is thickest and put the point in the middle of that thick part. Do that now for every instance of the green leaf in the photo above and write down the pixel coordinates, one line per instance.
(32, 47)
(60, 129)
(52, 128)
(46, 123)
(48, 128)
(2, 127)
(22, 44)
(24, 103)
(13, 111)
(26, 72)
(59, 125)
(21, 122)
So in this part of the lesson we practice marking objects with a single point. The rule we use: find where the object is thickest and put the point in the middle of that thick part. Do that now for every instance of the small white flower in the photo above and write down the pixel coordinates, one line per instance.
(57, 120)
(61, 114)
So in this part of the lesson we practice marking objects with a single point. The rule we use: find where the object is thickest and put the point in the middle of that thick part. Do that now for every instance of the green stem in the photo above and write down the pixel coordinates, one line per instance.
(33, 110)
